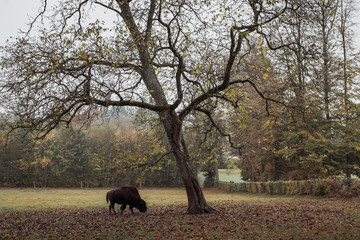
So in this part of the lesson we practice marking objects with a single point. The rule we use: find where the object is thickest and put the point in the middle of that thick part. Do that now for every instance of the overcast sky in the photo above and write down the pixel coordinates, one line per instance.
(14, 14)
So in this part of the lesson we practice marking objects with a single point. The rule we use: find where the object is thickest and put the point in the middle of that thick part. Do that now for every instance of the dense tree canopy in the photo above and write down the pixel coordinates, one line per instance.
(318, 76)
(101, 156)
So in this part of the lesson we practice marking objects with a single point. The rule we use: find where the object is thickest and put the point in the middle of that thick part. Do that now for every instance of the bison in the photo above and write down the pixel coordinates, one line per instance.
(125, 196)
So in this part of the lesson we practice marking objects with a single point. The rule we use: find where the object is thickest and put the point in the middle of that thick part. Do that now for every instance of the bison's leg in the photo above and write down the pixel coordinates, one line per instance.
(111, 206)
(123, 208)
(131, 208)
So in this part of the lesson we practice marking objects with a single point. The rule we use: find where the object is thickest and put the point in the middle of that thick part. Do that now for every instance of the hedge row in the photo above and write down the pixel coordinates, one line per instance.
(317, 187)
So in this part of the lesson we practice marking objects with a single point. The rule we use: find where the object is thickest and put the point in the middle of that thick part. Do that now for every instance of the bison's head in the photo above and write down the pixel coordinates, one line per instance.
(142, 206)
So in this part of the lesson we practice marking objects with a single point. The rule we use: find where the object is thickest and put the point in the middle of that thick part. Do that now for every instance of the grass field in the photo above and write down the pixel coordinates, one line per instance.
(83, 214)
(225, 175)
(228, 175)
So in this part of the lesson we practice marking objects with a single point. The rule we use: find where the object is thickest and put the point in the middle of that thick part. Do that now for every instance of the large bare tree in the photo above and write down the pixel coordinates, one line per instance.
(169, 57)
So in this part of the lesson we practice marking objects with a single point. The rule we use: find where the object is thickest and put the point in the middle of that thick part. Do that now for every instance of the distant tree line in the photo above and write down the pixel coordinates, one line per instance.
(97, 157)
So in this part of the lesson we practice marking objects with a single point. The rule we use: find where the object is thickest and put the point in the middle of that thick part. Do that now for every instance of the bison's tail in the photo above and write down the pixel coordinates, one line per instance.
(107, 197)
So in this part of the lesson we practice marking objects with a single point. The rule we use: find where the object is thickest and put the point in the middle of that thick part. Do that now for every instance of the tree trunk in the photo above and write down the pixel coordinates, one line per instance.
(325, 31)
(343, 28)
(216, 172)
(196, 200)
(169, 118)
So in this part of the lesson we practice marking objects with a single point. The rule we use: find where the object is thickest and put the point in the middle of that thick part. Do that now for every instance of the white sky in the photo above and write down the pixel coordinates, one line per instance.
(14, 14)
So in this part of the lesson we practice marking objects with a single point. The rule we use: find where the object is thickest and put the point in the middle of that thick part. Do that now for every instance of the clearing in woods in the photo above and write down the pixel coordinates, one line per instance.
(83, 214)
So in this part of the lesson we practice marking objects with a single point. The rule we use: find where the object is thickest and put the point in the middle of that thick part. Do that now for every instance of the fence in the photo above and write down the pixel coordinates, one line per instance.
(317, 187)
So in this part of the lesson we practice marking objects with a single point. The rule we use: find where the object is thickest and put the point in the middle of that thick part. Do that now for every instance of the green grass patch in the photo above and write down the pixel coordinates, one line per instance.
(83, 214)
(225, 175)
(44, 199)
(228, 175)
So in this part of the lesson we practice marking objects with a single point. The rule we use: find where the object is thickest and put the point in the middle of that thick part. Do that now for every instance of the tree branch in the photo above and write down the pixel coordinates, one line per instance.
(42, 12)
(181, 65)
(108, 7)
(152, 163)
(150, 19)
(223, 133)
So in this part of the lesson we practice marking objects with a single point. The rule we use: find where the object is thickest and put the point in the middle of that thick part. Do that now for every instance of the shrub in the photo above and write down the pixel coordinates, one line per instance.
(254, 188)
(248, 187)
(355, 189)
(308, 187)
(293, 187)
(319, 187)
(261, 187)
(278, 188)
(349, 191)
(268, 188)
(208, 182)
(232, 187)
